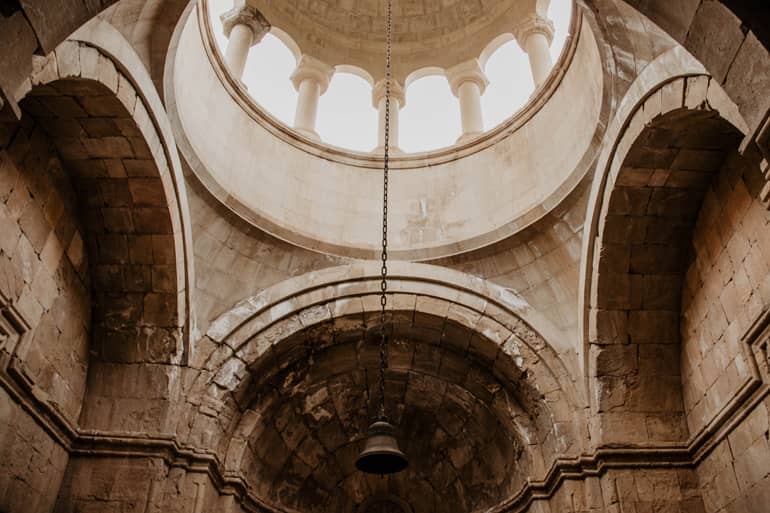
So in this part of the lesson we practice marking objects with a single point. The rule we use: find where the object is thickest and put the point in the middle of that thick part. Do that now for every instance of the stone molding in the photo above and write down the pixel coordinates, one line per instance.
(534, 25)
(312, 69)
(108, 444)
(101, 444)
(397, 92)
(468, 71)
(248, 16)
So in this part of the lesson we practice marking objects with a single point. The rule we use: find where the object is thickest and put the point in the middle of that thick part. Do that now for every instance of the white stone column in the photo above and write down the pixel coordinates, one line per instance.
(397, 102)
(468, 82)
(310, 79)
(535, 36)
(244, 27)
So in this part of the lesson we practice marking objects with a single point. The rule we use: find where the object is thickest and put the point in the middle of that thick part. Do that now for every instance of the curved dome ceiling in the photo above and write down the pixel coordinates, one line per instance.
(469, 427)
(426, 33)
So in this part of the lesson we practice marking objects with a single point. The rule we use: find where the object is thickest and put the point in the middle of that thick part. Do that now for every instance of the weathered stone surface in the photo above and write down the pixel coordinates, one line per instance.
(484, 406)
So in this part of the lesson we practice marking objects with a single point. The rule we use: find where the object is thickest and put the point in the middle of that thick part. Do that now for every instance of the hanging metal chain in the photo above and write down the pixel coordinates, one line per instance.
(386, 166)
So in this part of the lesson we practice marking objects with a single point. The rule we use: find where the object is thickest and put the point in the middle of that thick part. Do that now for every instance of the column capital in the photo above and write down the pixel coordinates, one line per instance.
(312, 68)
(468, 71)
(248, 16)
(396, 92)
(533, 25)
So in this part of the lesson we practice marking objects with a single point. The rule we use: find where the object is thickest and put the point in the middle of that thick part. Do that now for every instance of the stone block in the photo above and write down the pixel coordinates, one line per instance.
(654, 327)
(608, 327)
(108, 147)
(614, 360)
(748, 75)
(714, 38)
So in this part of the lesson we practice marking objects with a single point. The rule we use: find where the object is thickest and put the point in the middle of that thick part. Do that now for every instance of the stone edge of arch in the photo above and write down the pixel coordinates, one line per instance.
(629, 120)
(111, 45)
(226, 324)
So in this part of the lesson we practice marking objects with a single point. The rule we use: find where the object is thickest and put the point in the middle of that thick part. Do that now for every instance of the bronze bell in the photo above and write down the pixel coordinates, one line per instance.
(381, 454)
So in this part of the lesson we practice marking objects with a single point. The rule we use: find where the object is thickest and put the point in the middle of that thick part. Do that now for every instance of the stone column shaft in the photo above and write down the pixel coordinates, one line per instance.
(244, 27)
(468, 83)
(470, 108)
(238, 46)
(535, 36)
(397, 102)
(311, 79)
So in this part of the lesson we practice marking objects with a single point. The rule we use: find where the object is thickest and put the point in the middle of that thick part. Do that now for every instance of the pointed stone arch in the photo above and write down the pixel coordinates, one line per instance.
(127, 179)
(312, 330)
(665, 155)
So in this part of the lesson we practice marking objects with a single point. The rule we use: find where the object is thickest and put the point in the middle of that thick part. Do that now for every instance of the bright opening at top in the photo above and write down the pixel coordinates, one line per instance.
(433, 116)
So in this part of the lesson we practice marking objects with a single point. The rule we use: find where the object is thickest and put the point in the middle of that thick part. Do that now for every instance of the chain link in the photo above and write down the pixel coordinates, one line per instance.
(386, 169)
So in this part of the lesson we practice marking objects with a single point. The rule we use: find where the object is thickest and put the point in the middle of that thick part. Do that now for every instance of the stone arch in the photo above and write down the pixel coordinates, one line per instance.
(322, 317)
(493, 46)
(355, 70)
(733, 62)
(287, 40)
(666, 153)
(127, 178)
(427, 71)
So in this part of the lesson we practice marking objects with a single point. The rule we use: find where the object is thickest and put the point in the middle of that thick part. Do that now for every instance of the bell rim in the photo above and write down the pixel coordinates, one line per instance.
(403, 462)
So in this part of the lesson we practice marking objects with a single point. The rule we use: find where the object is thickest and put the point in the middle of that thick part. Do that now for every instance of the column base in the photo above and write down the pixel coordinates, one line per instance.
(380, 150)
(310, 134)
(468, 137)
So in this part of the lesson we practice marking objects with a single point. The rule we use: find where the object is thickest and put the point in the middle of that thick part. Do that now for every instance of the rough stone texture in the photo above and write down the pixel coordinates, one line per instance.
(312, 417)
(32, 464)
(635, 297)
(265, 409)
(44, 268)
(44, 278)
(736, 474)
(223, 242)
(727, 287)
(108, 144)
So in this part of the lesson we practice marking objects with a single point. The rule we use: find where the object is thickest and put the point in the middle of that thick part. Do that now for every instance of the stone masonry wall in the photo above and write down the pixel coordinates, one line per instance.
(31, 462)
(727, 287)
(44, 279)
(139, 485)
(735, 476)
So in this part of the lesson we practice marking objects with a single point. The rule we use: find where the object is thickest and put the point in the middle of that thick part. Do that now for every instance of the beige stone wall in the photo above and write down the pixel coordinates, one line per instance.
(32, 464)
(44, 282)
(223, 242)
(735, 475)
(150, 436)
(727, 287)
